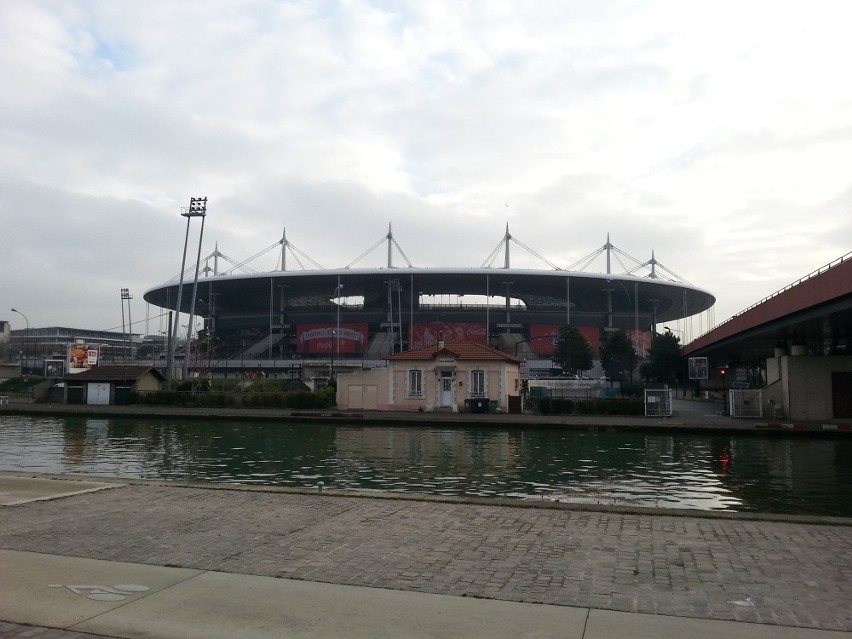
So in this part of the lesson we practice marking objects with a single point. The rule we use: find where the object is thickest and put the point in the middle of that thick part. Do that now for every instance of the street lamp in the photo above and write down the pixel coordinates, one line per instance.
(26, 338)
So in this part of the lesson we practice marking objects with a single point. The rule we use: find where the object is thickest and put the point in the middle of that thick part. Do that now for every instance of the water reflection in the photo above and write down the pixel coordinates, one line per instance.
(775, 473)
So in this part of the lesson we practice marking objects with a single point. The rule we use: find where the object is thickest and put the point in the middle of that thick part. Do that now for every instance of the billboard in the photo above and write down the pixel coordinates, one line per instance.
(82, 357)
(54, 367)
(328, 339)
(428, 333)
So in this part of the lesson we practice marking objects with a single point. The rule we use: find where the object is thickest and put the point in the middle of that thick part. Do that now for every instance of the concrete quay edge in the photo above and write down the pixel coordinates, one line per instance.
(698, 416)
(501, 502)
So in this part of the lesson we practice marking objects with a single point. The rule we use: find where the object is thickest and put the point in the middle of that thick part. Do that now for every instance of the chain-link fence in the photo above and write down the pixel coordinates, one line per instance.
(746, 402)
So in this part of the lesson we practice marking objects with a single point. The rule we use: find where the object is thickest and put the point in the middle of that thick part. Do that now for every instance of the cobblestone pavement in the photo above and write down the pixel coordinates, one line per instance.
(789, 574)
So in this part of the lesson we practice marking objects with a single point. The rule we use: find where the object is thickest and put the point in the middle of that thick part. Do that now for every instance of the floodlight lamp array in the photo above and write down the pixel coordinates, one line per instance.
(197, 207)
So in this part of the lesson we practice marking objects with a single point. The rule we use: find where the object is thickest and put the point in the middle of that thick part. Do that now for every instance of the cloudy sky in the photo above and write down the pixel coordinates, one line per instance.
(716, 134)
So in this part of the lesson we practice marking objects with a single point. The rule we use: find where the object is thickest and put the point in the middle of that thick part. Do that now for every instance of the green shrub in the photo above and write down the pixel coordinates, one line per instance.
(610, 406)
(300, 397)
(561, 406)
(20, 384)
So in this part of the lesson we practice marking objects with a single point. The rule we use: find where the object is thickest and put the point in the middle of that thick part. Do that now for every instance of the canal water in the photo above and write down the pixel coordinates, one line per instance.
(770, 473)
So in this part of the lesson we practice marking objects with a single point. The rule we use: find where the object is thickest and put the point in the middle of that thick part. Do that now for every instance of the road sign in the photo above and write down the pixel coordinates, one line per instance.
(698, 368)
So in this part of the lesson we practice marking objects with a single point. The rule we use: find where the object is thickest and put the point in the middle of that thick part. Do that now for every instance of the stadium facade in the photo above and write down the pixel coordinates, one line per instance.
(370, 313)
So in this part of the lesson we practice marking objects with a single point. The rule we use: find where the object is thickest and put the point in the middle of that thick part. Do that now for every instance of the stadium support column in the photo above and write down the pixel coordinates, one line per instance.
(399, 311)
(609, 306)
(508, 305)
(335, 346)
(567, 300)
(487, 309)
(636, 306)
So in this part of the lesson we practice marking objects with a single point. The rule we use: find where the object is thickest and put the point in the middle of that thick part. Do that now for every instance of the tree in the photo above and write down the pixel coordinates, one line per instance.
(618, 355)
(572, 352)
(665, 360)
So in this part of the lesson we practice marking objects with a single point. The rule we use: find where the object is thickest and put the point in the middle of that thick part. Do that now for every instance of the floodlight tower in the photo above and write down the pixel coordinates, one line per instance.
(197, 208)
(125, 298)
(200, 206)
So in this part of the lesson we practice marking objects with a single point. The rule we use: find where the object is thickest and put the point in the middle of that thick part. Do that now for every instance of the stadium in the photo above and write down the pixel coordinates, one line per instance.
(354, 314)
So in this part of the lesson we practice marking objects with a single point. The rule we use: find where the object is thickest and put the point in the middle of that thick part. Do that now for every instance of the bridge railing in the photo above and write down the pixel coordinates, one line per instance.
(811, 275)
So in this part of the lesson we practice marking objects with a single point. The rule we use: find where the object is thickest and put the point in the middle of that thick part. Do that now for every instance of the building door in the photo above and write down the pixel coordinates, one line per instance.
(841, 394)
(364, 397)
(97, 393)
(446, 388)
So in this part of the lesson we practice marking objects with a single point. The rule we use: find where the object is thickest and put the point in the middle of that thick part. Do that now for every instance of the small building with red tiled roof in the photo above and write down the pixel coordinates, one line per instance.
(454, 376)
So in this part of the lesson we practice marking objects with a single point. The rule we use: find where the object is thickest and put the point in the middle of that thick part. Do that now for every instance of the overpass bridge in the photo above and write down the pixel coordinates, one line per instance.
(795, 343)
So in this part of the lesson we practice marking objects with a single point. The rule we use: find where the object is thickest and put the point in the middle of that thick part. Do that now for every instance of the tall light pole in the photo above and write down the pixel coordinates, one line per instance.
(197, 208)
(26, 338)
(125, 298)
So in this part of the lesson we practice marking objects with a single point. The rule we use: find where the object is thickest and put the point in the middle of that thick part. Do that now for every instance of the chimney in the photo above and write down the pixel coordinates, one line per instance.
(441, 340)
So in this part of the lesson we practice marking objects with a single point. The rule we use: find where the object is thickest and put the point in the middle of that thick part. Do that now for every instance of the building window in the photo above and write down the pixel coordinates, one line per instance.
(477, 383)
(415, 383)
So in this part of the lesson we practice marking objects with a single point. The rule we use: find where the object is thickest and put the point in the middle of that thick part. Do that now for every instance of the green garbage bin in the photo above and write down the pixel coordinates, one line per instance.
(479, 405)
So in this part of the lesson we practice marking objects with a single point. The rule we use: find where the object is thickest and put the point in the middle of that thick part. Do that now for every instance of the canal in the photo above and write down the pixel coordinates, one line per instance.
(770, 473)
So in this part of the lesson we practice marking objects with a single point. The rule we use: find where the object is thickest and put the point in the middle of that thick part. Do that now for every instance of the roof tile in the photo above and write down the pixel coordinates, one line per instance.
(460, 350)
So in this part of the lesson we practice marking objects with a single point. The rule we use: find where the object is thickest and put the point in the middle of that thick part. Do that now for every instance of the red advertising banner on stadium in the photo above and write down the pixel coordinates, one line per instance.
(543, 337)
(322, 339)
(641, 341)
(427, 334)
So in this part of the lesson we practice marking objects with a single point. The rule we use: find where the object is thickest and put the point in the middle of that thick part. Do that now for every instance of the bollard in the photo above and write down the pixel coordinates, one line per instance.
(319, 487)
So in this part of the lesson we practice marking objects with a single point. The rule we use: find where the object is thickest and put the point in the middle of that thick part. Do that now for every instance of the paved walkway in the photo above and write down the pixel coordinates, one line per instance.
(165, 560)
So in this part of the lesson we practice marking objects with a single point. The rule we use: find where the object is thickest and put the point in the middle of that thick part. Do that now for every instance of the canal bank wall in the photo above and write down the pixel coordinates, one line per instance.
(697, 415)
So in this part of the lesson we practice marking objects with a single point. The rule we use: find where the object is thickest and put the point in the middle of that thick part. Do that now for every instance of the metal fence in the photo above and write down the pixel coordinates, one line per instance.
(746, 402)
(658, 402)
(570, 389)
